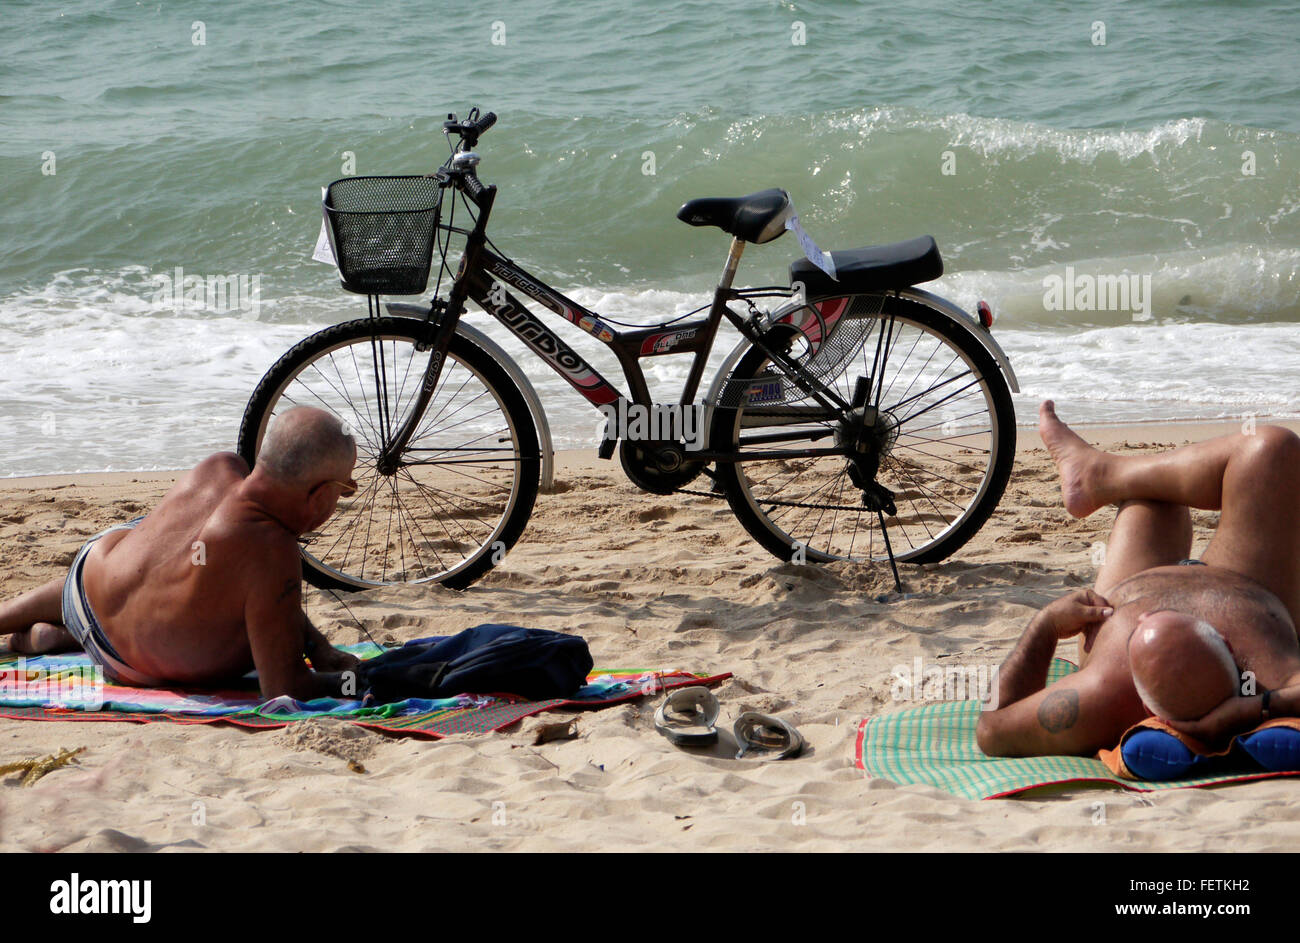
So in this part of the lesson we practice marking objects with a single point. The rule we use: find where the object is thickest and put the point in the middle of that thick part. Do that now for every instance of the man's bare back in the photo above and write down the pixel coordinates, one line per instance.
(208, 585)
(188, 564)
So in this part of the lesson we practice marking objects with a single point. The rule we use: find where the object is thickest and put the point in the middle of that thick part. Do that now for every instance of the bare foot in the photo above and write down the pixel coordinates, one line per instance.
(1077, 462)
(41, 639)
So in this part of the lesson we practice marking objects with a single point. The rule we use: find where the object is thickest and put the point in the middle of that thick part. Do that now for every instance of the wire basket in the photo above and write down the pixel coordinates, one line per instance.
(382, 231)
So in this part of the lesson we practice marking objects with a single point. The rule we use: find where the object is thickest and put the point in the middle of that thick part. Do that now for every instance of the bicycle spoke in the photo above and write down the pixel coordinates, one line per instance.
(921, 383)
(436, 508)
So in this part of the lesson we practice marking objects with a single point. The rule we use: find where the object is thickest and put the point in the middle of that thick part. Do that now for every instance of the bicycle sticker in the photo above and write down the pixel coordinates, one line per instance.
(811, 250)
(760, 392)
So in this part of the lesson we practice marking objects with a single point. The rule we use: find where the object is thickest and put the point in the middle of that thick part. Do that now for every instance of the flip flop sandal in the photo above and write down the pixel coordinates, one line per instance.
(760, 734)
(687, 717)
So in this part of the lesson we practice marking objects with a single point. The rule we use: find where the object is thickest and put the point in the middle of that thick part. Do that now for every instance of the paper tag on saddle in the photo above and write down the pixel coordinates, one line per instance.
(811, 250)
(323, 252)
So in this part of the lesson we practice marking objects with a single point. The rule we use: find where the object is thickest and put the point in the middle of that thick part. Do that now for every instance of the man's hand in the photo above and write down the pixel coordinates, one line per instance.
(1081, 611)
(328, 658)
(323, 655)
(1235, 715)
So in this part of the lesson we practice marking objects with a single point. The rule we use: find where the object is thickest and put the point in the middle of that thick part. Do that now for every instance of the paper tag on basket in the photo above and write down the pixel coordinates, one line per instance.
(811, 250)
(323, 252)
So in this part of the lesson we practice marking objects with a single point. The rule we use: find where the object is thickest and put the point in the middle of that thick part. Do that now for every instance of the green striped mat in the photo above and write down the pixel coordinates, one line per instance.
(935, 745)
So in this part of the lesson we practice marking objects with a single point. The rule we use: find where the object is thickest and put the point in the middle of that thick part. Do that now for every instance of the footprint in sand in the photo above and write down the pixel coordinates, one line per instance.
(1020, 537)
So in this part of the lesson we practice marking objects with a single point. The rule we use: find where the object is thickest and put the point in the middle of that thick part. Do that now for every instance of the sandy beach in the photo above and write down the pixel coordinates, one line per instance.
(650, 582)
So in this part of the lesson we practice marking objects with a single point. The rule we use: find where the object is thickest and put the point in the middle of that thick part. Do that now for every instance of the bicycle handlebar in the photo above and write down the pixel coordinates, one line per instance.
(470, 129)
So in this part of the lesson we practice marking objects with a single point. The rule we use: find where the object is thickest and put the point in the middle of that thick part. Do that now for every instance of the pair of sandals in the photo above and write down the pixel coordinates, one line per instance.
(688, 718)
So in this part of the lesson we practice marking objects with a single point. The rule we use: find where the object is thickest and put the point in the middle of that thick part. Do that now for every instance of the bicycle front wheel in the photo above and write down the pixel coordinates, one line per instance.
(461, 491)
(941, 434)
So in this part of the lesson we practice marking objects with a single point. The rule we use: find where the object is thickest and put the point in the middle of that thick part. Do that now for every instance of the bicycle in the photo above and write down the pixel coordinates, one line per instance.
(859, 404)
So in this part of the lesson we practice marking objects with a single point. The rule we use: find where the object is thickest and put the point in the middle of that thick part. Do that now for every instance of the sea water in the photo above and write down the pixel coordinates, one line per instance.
(162, 165)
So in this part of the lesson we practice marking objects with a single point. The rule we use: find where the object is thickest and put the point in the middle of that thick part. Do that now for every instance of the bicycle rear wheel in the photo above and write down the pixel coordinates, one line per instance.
(942, 442)
(465, 485)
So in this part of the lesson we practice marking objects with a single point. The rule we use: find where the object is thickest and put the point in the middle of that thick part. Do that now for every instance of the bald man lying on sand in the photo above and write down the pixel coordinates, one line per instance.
(209, 584)
(1161, 634)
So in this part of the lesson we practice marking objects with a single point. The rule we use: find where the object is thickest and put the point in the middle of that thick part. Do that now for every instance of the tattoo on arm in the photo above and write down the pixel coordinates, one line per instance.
(289, 586)
(1059, 710)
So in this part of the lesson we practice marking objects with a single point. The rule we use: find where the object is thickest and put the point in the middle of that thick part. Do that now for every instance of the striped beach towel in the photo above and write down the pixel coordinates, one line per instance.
(63, 687)
(935, 745)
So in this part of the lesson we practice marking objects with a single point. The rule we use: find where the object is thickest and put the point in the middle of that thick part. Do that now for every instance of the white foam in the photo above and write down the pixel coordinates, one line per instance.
(94, 377)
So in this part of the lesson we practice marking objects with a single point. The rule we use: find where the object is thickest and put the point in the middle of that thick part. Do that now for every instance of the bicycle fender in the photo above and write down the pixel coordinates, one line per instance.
(972, 326)
(512, 369)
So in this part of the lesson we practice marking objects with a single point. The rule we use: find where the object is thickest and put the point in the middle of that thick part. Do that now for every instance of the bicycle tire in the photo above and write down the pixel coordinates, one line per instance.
(456, 556)
(818, 542)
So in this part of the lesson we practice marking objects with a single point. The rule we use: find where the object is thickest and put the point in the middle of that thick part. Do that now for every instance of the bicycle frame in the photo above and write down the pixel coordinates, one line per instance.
(486, 278)
(487, 287)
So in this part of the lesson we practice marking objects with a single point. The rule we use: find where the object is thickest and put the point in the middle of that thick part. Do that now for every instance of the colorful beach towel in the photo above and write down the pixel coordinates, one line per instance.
(64, 687)
(935, 745)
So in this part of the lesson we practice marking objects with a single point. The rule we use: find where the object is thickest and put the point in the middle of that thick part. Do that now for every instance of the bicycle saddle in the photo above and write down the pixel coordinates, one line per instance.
(896, 265)
(759, 217)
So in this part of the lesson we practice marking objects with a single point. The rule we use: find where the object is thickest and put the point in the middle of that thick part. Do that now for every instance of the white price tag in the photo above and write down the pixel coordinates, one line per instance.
(323, 252)
(811, 250)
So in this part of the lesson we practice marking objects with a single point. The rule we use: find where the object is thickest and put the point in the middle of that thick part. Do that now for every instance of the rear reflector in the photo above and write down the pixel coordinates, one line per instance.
(986, 315)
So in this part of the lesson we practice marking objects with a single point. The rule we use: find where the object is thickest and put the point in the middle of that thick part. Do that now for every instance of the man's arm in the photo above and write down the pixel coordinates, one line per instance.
(1066, 718)
(324, 656)
(275, 623)
(1239, 714)
(1025, 670)
(1076, 716)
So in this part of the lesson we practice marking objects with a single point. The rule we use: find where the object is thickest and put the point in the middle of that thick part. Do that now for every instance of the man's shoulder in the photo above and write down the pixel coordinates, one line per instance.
(260, 539)
(255, 556)
(218, 472)
(223, 463)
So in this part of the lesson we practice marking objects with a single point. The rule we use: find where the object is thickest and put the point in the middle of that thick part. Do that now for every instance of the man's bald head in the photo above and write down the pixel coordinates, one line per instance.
(1182, 667)
(305, 446)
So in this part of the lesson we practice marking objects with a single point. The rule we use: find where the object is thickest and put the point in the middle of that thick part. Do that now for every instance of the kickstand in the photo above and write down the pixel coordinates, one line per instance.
(898, 585)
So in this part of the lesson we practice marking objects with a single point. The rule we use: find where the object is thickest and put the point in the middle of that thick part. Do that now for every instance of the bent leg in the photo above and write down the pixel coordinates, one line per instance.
(1254, 478)
(33, 621)
(1146, 534)
(1259, 529)
(1192, 475)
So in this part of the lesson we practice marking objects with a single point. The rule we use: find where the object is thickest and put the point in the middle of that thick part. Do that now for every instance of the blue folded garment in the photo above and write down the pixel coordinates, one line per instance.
(535, 664)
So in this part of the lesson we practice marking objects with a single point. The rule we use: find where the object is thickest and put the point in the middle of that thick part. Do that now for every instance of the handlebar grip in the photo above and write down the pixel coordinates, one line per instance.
(485, 122)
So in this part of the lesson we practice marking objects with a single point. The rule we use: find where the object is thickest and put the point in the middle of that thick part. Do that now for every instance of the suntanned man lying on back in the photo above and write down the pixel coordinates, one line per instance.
(209, 584)
(1162, 634)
